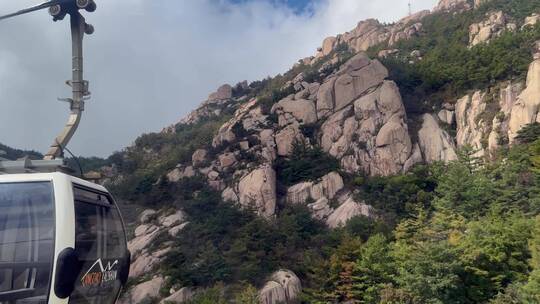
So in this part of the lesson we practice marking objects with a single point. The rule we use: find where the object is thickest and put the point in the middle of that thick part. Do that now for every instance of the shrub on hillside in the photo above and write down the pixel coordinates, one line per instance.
(305, 164)
(529, 133)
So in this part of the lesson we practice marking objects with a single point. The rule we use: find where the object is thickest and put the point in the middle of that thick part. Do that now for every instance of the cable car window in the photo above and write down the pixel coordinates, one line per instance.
(101, 246)
(26, 241)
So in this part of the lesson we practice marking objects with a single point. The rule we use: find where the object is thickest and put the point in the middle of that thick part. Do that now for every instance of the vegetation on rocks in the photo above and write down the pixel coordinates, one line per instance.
(449, 67)
(464, 231)
(468, 240)
(13, 154)
(305, 164)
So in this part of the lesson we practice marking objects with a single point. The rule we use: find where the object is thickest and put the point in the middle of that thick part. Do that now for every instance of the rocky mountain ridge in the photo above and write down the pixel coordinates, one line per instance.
(347, 108)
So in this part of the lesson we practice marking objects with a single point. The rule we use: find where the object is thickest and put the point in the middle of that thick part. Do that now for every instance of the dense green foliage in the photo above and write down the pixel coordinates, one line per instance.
(305, 164)
(449, 68)
(153, 154)
(458, 233)
(529, 133)
(14, 154)
(468, 240)
(398, 196)
(232, 245)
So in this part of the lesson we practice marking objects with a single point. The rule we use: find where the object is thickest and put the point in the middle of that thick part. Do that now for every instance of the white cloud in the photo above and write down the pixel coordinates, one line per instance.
(152, 61)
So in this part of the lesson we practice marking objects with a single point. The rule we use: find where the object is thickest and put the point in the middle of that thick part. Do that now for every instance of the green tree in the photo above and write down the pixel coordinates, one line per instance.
(495, 253)
(464, 187)
(248, 295)
(214, 295)
(373, 270)
(531, 290)
(335, 276)
(429, 270)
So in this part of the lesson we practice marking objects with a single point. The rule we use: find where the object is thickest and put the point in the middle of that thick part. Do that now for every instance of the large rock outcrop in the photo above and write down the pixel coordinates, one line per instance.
(349, 209)
(494, 25)
(371, 32)
(471, 126)
(257, 190)
(292, 111)
(328, 186)
(144, 292)
(500, 126)
(214, 106)
(531, 21)
(365, 128)
(284, 287)
(223, 93)
(435, 144)
(145, 254)
(526, 109)
(450, 5)
(355, 115)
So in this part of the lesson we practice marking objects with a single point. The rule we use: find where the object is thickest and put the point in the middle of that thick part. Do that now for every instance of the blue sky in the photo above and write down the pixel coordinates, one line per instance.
(156, 61)
(298, 6)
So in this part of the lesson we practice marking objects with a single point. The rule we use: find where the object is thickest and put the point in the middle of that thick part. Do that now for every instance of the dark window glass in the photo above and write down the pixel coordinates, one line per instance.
(101, 245)
(26, 241)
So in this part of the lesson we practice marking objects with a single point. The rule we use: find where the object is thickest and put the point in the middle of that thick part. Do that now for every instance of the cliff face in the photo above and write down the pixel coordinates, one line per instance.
(347, 108)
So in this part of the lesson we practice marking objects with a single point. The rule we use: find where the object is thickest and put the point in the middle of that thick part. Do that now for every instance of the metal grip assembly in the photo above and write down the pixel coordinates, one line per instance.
(62, 8)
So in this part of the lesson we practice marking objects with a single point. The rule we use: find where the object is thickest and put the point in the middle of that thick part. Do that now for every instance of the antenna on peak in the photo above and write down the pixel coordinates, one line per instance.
(410, 8)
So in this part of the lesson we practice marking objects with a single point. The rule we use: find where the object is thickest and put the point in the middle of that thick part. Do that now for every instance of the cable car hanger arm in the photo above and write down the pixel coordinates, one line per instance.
(32, 9)
(59, 9)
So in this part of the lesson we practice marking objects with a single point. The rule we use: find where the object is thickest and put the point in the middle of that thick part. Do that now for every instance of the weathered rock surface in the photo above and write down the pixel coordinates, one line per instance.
(495, 24)
(283, 287)
(272, 293)
(446, 116)
(500, 126)
(183, 295)
(142, 242)
(321, 208)
(478, 3)
(217, 102)
(471, 127)
(450, 5)
(226, 160)
(199, 157)
(387, 53)
(371, 32)
(145, 229)
(173, 220)
(179, 173)
(146, 262)
(226, 133)
(146, 291)
(223, 92)
(257, 190)
(525, 111)
(295, 111)
(435, 143)
(147, 215)
(347, 211)
(531, 21)
(328, 186)
(152, 225)
(365, 128)
(287, 138)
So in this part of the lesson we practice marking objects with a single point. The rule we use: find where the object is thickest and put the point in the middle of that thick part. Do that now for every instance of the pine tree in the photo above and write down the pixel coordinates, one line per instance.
(531, 290)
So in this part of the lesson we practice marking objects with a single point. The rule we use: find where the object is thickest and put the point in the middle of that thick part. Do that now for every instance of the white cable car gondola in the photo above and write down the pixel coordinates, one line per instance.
(62, 240)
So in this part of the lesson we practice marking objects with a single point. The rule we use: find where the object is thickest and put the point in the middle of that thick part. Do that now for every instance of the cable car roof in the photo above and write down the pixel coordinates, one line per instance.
(54, 177)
